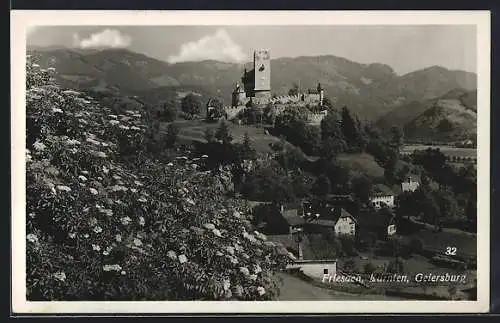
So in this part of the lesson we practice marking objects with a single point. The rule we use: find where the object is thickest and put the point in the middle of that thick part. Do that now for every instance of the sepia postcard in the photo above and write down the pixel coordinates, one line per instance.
(212, 162)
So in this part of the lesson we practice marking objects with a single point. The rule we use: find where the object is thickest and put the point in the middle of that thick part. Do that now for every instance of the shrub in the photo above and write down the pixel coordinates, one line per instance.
(102, 227)
(369, 268)
(350, 265)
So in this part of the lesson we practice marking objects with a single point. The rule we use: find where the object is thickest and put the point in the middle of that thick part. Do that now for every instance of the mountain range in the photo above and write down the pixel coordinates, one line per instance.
(370, 90)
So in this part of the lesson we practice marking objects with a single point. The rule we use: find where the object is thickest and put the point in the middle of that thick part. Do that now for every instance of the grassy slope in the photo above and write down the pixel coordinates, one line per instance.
(363, 163)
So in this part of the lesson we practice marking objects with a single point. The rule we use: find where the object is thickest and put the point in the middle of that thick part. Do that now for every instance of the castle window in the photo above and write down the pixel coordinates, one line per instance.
(261, 68)
(325, 271)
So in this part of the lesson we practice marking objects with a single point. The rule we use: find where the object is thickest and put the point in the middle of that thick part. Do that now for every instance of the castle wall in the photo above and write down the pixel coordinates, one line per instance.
(232, 112)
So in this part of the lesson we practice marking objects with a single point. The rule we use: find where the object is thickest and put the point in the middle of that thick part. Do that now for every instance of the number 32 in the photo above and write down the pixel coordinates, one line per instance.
(451, 251)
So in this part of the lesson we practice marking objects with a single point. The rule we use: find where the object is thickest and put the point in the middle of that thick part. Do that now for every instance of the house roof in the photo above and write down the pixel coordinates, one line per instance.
(330, 216)
(373, 219)
(381, 189)
(292, 217)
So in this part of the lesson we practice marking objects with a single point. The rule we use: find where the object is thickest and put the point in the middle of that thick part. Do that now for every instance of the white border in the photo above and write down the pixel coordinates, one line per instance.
(20, 20)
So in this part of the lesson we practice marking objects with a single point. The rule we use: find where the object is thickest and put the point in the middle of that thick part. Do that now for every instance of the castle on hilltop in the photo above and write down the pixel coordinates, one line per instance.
(256, 91)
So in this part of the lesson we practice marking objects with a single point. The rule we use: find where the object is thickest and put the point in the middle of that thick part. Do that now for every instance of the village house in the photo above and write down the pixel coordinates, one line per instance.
(381, 195)
(409, 185)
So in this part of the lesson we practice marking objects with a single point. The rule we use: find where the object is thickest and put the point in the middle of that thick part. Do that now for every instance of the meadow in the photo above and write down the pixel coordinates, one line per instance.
(447, 150)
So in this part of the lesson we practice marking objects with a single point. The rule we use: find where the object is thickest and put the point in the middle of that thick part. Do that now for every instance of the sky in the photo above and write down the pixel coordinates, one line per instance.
(405, 48)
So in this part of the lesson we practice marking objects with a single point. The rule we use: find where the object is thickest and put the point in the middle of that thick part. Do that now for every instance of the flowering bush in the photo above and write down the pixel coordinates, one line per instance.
(104, 227)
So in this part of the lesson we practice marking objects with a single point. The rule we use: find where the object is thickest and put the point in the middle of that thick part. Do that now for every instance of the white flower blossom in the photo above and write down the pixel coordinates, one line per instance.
(39, 145)
(182, 259)
(105, 170)
(63, 188)
(137, 242)
(142, 222)
(244, 271)
(217, 232)
(125, 220)
(72, 235)
(138, 183)
(99, 154)
(107, 251)
(32, 238)
(94, 142)
(82, 178)
(96, 247)
(261, 290)
(133, 190)
(86, 235)
(226, 283)
(118, 238)
(209, 226)
(60, 275)
(115, 267)
(171, 254)
(57, 110)
(252, 277)
(230, 250)
(73, 142)
(97, 229)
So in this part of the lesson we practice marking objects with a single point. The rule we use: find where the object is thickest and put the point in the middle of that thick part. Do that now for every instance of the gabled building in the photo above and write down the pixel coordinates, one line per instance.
(409, 185)
(381, 195)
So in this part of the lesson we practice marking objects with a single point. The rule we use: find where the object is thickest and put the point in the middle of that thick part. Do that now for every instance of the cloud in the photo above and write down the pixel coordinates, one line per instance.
(218, 46)
(106, 38)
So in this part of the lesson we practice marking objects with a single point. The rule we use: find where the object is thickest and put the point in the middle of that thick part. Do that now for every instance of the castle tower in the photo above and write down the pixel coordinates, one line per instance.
(321, 93)
(262, 76)
(239, 96)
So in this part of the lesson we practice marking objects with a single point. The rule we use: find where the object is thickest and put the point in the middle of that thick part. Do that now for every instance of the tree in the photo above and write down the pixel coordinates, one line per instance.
(426, 205)
(447, 203)
(417, 245)
(322, 186)
(171, 134)
(396, 138)
(349, 265)
(351, 128)
(210, 135)
(223, 134)
(361, 187)
(396, 266)
(369, 268)
(332, 138)
(191, 105)
(246, 150)
(294, 90)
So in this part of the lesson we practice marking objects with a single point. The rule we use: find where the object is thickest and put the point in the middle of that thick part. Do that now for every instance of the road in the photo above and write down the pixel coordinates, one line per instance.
(295, 289)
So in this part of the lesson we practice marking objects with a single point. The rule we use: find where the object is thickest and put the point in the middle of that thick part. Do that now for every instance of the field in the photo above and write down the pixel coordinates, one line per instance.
(447, 150)
(363, 163)
(195, 130)
(465, 243)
